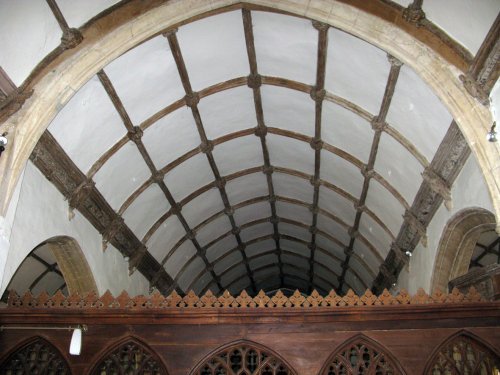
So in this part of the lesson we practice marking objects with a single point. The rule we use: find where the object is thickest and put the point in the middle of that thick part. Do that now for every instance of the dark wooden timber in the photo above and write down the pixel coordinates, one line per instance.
(58, 168)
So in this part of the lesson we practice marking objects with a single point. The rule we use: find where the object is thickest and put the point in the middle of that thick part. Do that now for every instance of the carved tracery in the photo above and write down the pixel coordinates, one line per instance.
(361, 356)
(36, 357)
(131, 358)
(463, 355)
(243, 359)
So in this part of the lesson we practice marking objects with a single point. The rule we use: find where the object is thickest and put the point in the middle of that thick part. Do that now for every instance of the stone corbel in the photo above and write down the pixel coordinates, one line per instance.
(439, 186)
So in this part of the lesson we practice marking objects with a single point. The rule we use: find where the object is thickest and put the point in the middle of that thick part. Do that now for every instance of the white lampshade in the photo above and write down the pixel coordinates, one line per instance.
(75, 346)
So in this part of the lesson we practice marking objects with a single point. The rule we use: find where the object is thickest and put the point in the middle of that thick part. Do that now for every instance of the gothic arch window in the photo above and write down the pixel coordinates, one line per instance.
(37, 356)
(361, 355)
(130, 357)
(243, 358)
(463, 354)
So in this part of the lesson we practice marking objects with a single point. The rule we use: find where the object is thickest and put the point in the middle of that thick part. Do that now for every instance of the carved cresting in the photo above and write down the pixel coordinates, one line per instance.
(242, 301)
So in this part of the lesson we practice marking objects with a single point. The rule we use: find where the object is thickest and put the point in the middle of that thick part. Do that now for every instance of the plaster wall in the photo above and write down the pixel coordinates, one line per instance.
(468, 191)
(38, 219)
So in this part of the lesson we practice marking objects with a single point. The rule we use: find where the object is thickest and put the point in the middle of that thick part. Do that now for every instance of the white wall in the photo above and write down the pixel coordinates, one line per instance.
(469, 190)
(41, 214)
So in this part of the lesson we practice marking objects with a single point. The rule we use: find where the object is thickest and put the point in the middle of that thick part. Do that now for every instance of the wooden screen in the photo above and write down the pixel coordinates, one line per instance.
(361, 356)
(38, 356)
(130, 358)
(243, 359)
(463, 355)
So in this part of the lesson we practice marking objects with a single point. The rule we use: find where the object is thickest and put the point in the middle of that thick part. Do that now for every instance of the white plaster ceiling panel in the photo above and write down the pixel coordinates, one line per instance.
(179, 258)
(218, 114)
(295, 247)
(322, 258)
(77, 13)
(289, 186)
(232, 275)
(252, 212)
(326, 274)
(146, 210)
(294, 211)
(296, 283)
(367, 255)
(341, 173)
(190, 273)
(361, 271)
(146, 79)
(398, 167)
(214, 49)
(294, 231)
(227, 262)
(295, 261)
(165, 237)
(348, 73)
(246, 187)
(333, 228)
(354, 283)
(238, 154)
(262, 261)
(346, 130)
(213, 230)
(189, 176)
(330, 246)
(417, 113)
(162, 146)
(221, 247)
(262, 274)
(255, 231)
(288, 109)
(201, 283)
(404, 3)
(466, 21)
(321, 286)
(49, 283)
(383, 204)
(287, 51)
(336, 205)
(239, 286)
(202, 207)
(88, 125)
(121, 175)
(29, 24)
(27, 272)
(375, 234)
(290, 153)
(260, 247)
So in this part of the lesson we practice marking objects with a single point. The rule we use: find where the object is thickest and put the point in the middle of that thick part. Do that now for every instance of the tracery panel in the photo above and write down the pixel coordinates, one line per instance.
(462, 354)
(130, 358)
(361, 356)
(243, 358)
(37, 356)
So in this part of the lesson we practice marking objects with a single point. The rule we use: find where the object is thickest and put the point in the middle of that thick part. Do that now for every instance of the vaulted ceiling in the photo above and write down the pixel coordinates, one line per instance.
(253, 149)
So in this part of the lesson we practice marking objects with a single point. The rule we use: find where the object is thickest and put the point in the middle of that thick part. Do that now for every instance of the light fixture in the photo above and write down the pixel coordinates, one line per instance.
(75, 346)
(408, 253)
(492, 134)
(3, 142)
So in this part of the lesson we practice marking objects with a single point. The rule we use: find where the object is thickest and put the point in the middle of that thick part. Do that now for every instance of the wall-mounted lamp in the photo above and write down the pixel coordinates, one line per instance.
(3, 142)
(492, 134)
(75, 346)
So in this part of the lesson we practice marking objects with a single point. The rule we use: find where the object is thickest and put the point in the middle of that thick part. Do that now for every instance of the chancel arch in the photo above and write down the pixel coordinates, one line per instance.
(457, 244)
(243, 357)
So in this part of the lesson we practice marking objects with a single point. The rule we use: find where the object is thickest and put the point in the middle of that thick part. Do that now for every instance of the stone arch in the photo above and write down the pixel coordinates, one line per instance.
(449, 357)
(360, 354)
(243, 355)
(35, 356)
(110, 36)
(129, 354)
(457, 244)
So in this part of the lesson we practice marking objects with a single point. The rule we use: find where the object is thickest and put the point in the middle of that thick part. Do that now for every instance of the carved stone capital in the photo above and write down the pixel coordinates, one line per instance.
(71, 38)
(254, 81)
(192, 99)
(316, 144)
(474, 89)
(135, 134)
(412, 221)
(414, 14)
(439, 186)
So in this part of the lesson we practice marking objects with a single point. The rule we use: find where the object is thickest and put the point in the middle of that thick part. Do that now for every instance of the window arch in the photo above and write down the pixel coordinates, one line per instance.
(36, 356)
(361, 355)
(243, 358)
(463, 354)
(131, 357)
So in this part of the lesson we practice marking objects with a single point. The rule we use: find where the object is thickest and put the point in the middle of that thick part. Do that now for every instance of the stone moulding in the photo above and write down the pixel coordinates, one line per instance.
(243, 301)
